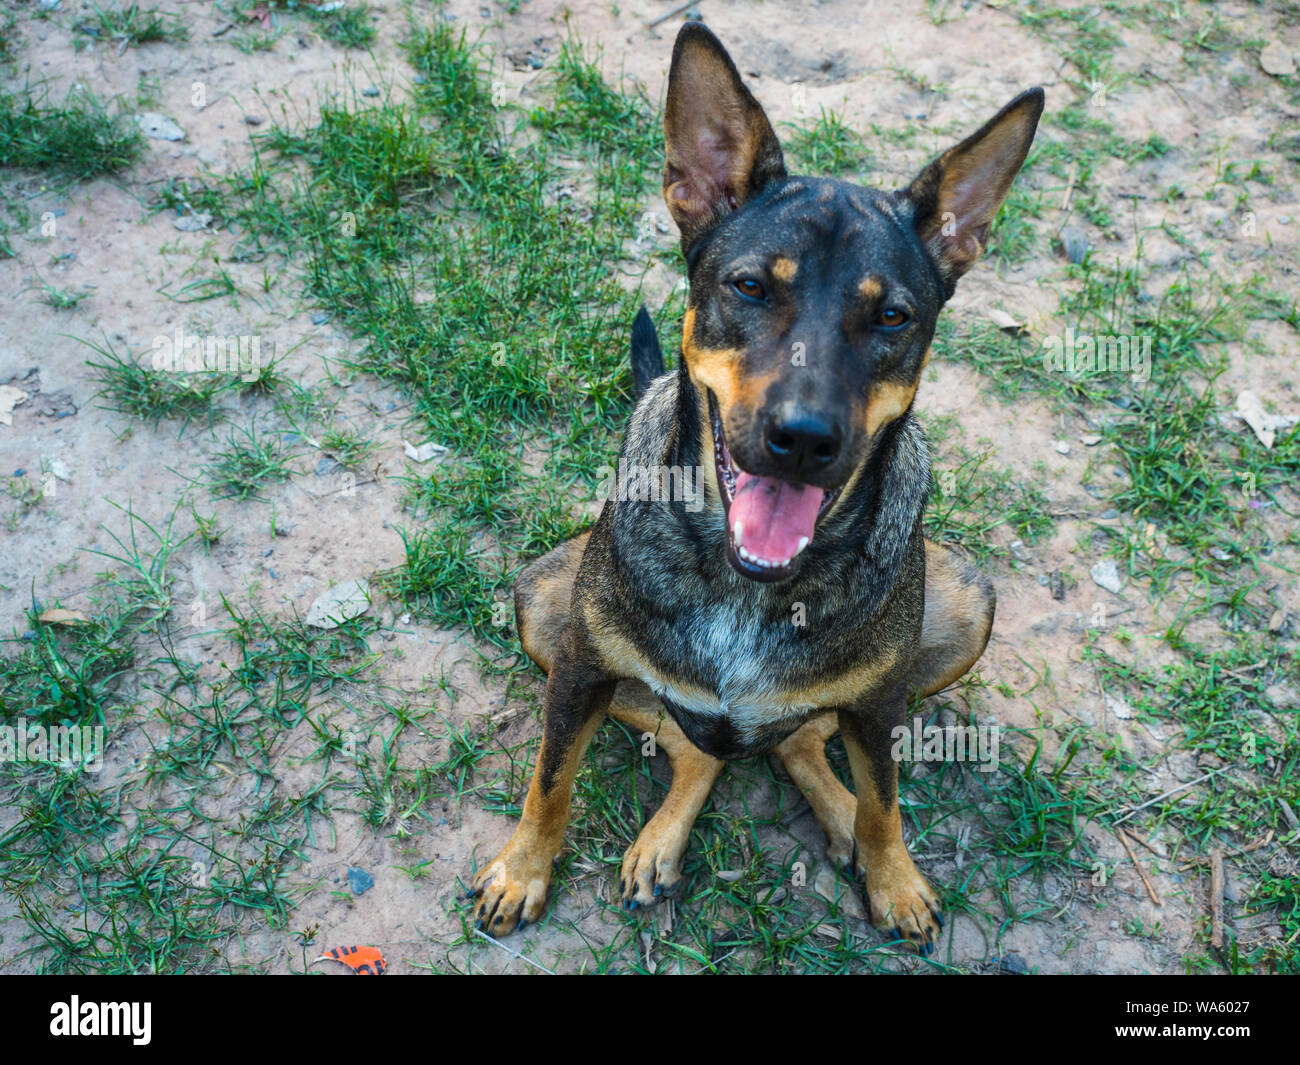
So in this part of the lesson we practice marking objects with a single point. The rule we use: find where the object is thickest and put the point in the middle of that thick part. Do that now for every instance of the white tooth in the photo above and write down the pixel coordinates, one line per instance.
(803, 542)
(738, 533)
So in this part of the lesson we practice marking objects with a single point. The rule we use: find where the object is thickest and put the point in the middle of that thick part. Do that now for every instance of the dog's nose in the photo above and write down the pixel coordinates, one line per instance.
(803, 443)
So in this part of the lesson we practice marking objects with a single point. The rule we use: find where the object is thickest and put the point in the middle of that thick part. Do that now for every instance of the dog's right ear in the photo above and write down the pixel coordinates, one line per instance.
(720, 146)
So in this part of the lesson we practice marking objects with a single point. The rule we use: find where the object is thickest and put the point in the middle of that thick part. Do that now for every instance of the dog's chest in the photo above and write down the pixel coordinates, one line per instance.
(728, 655)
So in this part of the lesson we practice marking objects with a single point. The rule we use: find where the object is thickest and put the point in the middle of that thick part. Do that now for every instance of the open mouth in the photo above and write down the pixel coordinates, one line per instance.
(769, 521)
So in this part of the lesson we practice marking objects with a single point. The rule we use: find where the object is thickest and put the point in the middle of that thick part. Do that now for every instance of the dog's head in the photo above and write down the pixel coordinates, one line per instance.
(812, 301)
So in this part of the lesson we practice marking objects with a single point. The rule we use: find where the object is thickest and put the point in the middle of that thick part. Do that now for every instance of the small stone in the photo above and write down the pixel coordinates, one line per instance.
(1276, 622)
(842, 896)
(1277, 59)
(359, 880)
(320, 318)
(370, 91)
(1109, 514)
(730, 876)
(1090, 440)
(192, 223)
(1021, 553)
(1013, 963)
(1119, 707)
(1046, 626)
(1105, 574)
(159, 127)
(346, 600)
(1056, 581)
(1060, 447)
(1074, 243)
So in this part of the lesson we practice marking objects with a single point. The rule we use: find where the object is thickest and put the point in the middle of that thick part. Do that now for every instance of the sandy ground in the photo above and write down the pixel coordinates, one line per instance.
(848, 56)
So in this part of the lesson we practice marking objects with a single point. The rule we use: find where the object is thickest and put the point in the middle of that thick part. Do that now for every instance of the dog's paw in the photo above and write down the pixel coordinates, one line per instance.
(902, 904)
(650, 869)
(511, 891)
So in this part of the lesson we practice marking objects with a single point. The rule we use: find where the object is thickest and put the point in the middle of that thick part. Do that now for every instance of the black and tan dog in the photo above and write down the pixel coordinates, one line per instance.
(801, 597)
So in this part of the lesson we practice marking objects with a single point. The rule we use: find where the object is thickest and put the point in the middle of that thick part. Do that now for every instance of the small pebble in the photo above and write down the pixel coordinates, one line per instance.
(1105, 574)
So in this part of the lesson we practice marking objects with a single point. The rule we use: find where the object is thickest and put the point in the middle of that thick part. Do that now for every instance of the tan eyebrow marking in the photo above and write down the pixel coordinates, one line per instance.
(784, 269)
(870, 288)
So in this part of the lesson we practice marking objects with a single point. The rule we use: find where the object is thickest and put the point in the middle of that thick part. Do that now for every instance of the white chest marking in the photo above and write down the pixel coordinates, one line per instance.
(728, 642)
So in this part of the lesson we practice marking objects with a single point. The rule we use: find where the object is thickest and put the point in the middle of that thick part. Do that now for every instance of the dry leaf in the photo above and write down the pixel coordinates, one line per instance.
(1004, 321)
(424, 452)
(1264, 425)
(9, 399)
(59, 616)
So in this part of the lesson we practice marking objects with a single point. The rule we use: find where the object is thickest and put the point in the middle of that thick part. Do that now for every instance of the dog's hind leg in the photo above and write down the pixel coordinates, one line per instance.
(543, 594)
(652, 865)
(804, 758)
(959, 603)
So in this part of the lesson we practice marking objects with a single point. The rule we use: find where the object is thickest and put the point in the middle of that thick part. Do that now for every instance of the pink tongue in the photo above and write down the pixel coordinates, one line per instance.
(775, 515)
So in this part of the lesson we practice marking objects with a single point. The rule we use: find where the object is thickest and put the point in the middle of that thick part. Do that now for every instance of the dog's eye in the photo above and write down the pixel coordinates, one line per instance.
(891, 318)
(750, 289)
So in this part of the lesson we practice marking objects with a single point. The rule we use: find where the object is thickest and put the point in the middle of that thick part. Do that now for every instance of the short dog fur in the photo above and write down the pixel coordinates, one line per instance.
(811, 310)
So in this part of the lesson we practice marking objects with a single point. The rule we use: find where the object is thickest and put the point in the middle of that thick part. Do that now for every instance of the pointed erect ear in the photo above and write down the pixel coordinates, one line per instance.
(957, 195)
(720, 146)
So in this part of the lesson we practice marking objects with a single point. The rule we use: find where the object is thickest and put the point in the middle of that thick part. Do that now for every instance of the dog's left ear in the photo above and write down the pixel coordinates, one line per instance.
(958, 195)
(719, 144)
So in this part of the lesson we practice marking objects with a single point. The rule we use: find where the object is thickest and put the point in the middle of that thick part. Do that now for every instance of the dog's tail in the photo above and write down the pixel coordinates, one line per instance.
(647, 356)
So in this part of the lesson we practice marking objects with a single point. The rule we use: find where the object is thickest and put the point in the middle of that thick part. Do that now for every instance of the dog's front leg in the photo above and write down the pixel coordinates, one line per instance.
(901, 900)
(512, 888)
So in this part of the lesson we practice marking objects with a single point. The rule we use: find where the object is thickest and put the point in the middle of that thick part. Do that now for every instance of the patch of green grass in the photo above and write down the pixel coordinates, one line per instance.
(349, 26)
(131, 27)
(829, 147)
(132, 388)
(64, 674)
(481, 265)
(1215, 703)
(10, 39)
(346, 446)
(973, 496)
(252, 41)
(61, 299)
(77, 139)
(252, 460)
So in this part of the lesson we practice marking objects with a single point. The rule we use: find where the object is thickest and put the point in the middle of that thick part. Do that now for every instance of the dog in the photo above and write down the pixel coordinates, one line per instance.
(801, 598)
